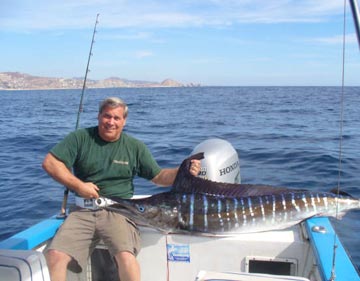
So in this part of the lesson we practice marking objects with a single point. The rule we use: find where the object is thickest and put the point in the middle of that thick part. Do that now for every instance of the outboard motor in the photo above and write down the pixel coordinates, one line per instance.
(221, 162)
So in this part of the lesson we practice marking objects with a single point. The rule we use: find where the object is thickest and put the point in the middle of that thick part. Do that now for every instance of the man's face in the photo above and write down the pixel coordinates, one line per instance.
(111, 123)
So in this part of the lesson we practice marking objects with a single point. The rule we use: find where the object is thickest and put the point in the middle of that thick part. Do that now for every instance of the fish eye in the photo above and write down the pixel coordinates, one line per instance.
(141, 208)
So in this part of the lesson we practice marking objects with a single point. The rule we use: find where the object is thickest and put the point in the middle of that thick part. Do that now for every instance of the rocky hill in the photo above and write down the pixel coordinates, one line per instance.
(22, 81)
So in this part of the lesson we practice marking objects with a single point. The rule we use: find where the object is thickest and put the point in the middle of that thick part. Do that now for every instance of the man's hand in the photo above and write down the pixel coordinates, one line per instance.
(88, 190)
(195, 167)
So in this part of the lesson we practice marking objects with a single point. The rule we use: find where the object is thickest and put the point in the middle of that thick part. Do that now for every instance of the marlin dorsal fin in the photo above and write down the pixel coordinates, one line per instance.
(187, 183)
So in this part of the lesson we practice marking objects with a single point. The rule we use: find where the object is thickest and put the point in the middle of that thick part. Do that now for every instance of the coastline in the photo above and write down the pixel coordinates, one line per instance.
(23, 81)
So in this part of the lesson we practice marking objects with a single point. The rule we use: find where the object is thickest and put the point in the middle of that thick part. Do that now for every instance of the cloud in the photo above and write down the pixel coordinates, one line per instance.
(127, 36)
(69, 14)
(337, 39)
(143, 54)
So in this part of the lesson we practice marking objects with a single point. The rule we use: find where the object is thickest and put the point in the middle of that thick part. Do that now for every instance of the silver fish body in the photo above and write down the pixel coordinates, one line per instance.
(196, 205)
(174, 212)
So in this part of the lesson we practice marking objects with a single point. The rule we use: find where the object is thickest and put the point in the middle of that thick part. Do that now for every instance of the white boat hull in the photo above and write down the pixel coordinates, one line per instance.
(301, 252)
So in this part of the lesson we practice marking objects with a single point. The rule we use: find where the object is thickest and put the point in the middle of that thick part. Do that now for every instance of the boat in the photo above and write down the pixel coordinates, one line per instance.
(308, 251)
(305, 251)
(302, 252)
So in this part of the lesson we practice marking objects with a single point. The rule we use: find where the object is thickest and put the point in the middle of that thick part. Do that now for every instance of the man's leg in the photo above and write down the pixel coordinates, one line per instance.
(57, 263)
(128, 266)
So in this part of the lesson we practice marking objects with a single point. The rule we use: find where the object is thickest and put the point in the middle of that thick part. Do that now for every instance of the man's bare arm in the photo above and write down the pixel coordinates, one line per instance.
(58, 171)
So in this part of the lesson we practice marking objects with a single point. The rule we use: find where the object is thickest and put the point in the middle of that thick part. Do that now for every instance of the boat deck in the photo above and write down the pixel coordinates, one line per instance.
(302, 252)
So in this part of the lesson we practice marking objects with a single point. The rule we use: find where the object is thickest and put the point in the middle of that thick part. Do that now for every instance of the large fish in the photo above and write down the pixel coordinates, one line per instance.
(199, 206)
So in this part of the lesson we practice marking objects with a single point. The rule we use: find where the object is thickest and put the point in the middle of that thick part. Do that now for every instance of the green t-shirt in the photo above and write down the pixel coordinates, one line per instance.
(109, 165)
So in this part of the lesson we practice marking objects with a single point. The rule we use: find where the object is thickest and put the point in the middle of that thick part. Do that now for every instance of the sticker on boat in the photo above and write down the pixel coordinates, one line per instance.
(178, 252)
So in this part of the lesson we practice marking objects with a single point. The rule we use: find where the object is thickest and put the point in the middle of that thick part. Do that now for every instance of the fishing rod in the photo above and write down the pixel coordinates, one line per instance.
(355, 14)
(332, 274)
(66, 191)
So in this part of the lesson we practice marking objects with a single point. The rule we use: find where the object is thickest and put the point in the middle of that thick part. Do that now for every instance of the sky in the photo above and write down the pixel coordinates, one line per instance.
(213, 42)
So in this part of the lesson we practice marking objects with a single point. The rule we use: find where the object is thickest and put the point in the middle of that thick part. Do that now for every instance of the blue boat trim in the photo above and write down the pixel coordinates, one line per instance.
(33, 236)
(322, 243)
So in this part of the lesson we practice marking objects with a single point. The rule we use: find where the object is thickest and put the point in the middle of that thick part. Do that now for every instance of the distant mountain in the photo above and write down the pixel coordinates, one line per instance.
(23, 81)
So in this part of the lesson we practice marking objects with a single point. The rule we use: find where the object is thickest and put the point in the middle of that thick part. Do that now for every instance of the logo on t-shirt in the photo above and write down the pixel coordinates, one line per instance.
(120, 162)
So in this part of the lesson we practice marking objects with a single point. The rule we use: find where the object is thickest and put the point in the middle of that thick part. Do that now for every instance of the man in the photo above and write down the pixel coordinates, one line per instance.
(104, 160)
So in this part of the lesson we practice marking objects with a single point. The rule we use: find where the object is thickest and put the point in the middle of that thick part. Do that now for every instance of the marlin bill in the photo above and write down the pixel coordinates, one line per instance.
(199, 206)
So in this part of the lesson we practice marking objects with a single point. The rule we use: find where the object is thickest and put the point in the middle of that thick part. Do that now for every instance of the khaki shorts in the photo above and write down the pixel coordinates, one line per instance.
(84, 228)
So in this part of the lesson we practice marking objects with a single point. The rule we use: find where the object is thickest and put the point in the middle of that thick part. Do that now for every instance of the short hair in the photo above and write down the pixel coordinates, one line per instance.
(113, 102)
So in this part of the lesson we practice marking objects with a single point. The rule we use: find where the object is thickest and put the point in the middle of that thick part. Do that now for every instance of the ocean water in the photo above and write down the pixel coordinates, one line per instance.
(285, 136)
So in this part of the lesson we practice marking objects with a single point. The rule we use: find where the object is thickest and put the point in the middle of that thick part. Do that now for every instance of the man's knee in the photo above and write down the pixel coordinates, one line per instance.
(55, 257)
(128, 267)
(125, 258)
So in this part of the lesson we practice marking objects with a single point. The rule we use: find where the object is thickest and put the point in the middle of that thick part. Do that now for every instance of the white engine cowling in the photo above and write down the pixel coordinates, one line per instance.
(221, 162)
